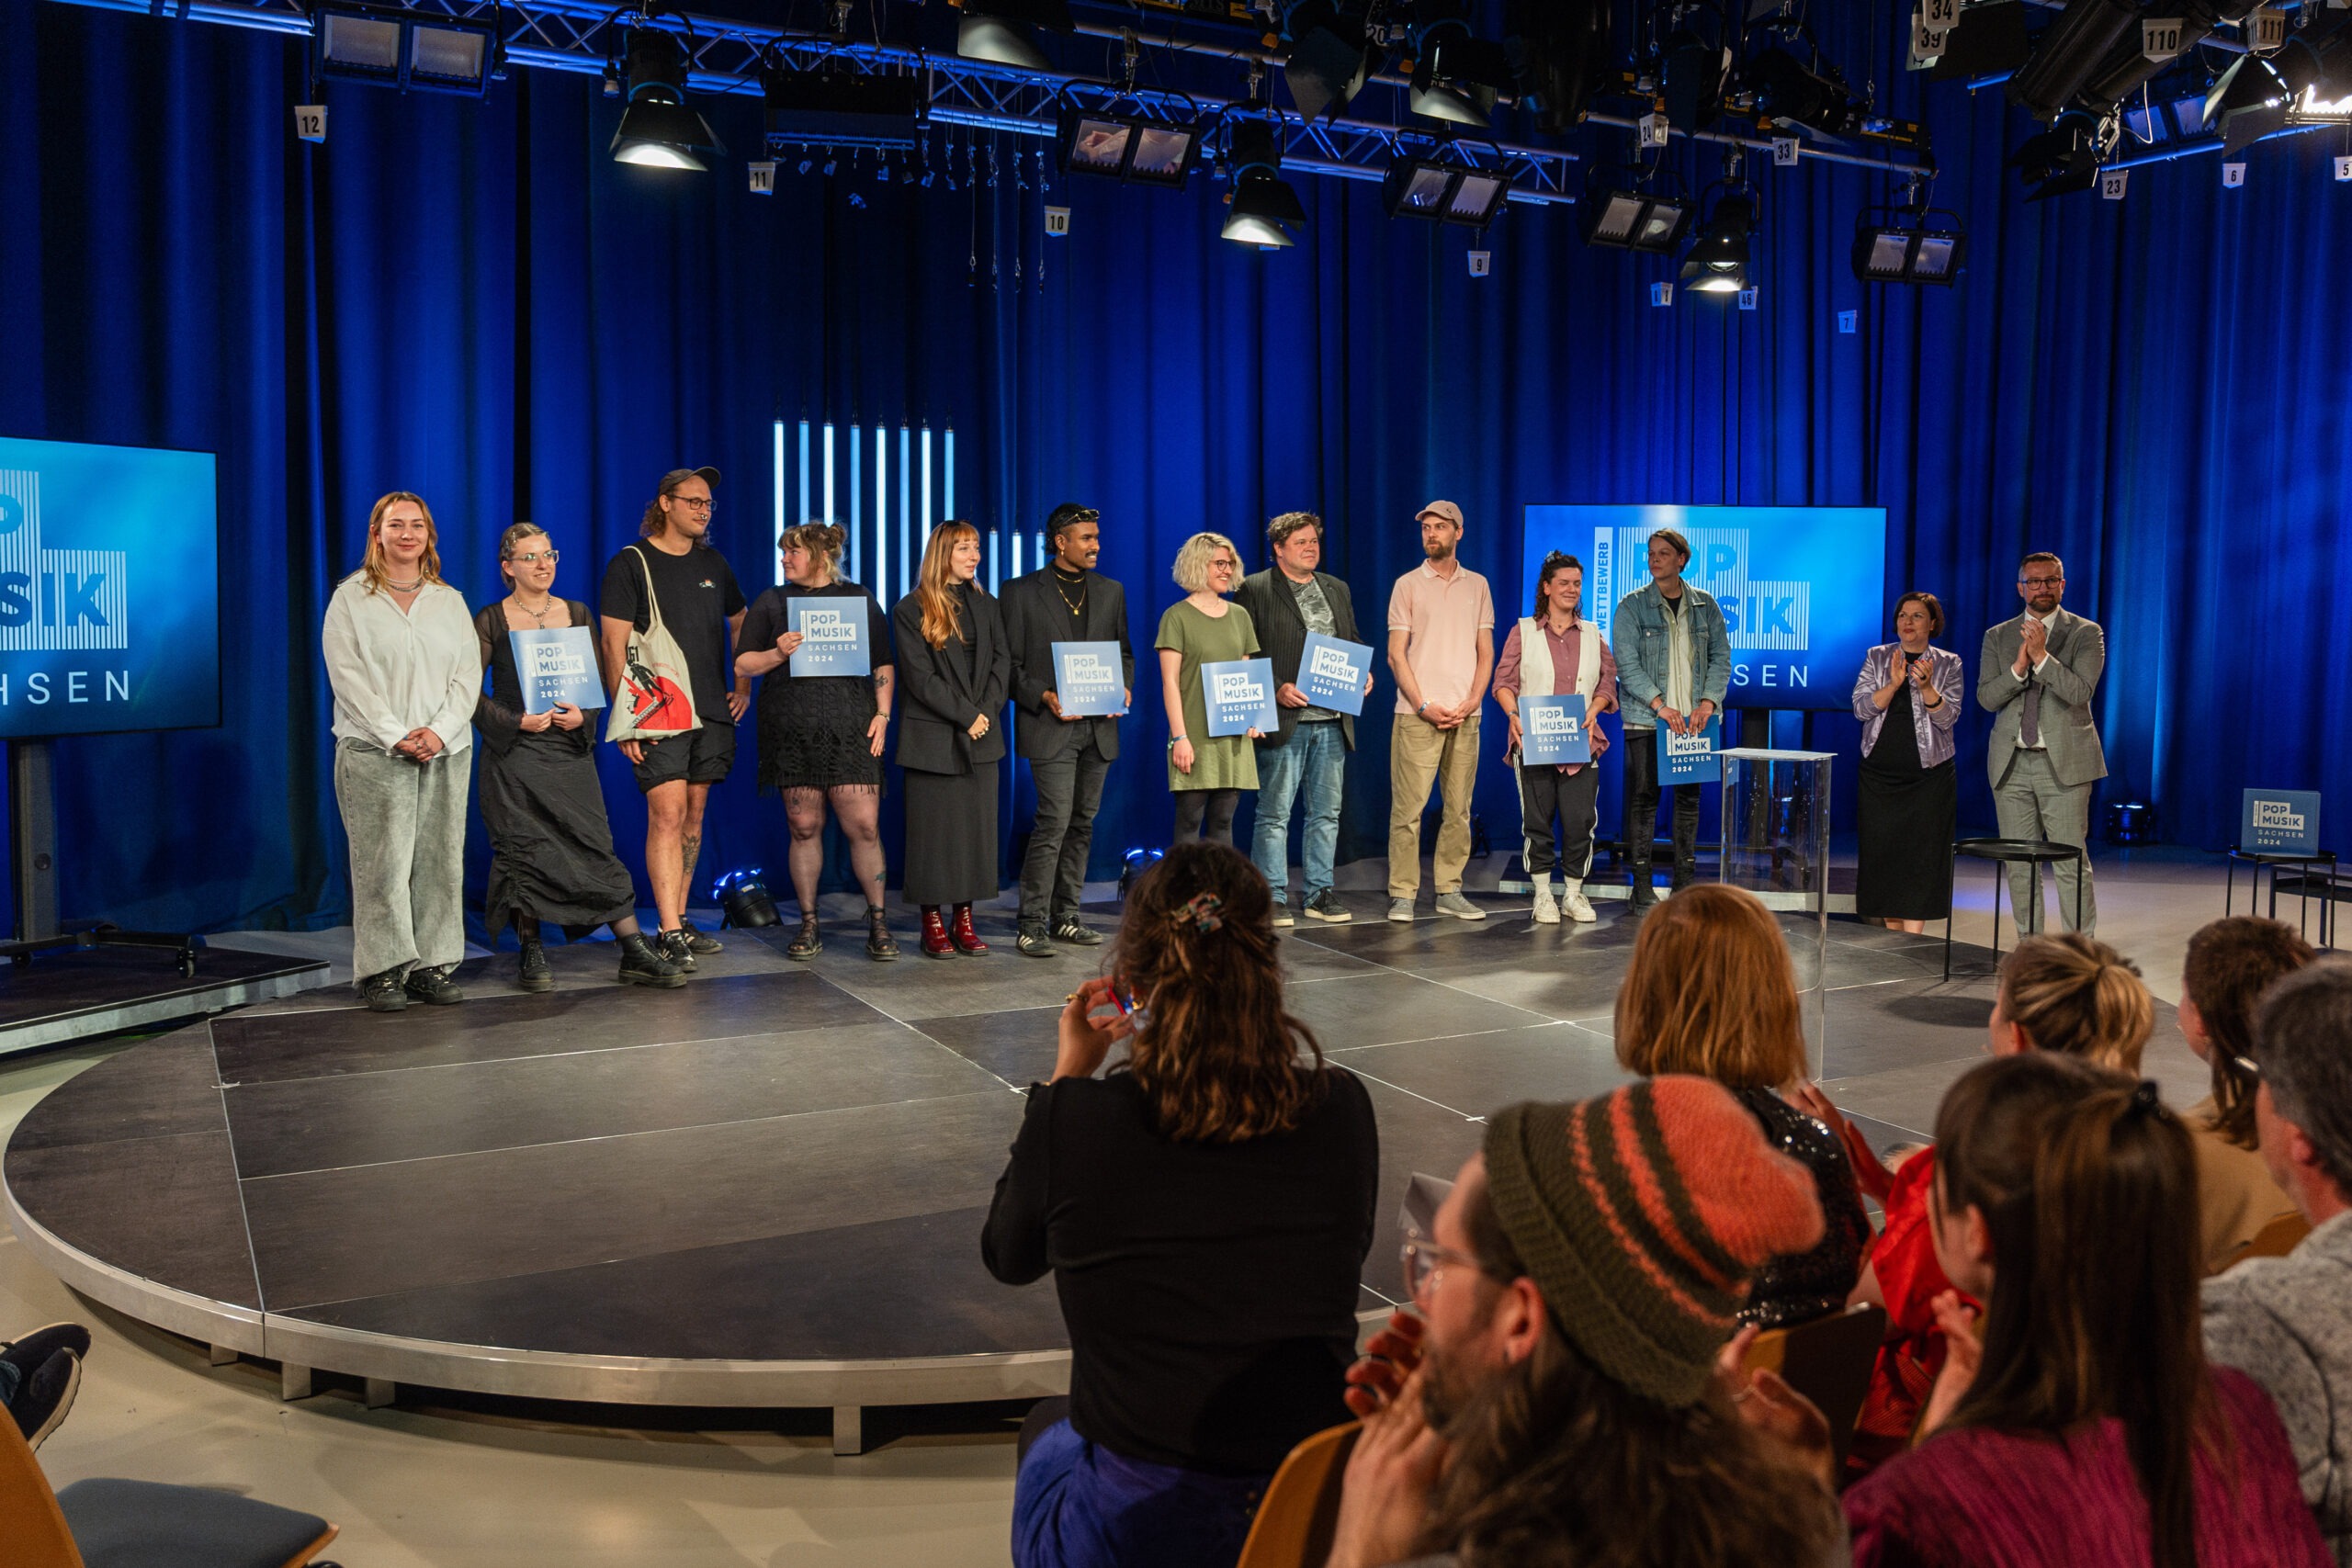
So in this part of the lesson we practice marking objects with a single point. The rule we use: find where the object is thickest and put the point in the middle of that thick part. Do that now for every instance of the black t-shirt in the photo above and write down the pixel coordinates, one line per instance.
(697, 594)
(1209, 1290)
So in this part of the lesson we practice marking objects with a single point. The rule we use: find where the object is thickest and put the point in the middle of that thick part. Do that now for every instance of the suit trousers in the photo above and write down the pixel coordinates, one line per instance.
(2032, 804)
(1641, 810)
(1421, 755)
(1070, 791)
(406, 822)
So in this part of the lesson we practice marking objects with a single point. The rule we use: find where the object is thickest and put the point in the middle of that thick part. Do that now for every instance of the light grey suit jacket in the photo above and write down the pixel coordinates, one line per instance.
(2067, 679)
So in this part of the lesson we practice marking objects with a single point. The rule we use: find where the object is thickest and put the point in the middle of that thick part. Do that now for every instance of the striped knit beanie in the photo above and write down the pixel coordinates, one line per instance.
(1641, 1215)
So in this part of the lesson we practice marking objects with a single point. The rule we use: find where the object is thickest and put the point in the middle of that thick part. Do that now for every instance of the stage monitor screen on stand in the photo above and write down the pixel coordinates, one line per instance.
(1803, 588)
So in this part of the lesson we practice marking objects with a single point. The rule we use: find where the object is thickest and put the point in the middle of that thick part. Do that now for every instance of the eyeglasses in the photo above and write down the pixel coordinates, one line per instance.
(535, 556)
(698, 503)
(1424, 1259)
(2039, 582)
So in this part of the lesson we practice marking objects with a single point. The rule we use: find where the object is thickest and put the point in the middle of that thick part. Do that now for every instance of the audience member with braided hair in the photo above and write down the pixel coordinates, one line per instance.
(2070, 994)
(2085, 1429)
(2232, 963)
(1206, 1208)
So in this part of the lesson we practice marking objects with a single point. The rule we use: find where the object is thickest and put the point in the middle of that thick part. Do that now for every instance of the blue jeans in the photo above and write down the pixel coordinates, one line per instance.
(1316, 755)
(1077, 1504)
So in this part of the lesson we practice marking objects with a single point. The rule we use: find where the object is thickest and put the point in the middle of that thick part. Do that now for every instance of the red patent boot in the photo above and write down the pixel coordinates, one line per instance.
(936, 942)
(966, 936)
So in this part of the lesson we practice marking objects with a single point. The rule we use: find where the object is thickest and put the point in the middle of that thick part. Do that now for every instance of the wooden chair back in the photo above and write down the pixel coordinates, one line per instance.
(30, 1522)
(2277, 1238)
(1301, 1510)
(1828, 1361)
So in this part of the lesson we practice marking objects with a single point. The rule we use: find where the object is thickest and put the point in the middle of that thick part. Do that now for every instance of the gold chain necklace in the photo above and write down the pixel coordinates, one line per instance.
(1079, 608)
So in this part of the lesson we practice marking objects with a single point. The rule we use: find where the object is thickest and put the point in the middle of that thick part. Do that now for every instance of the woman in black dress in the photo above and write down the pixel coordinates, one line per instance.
(552, 849)
(954, 665)
(1907, 697)
(820, 736)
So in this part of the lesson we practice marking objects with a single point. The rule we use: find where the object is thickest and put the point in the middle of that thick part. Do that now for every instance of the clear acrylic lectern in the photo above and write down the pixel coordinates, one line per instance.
(1776, 845)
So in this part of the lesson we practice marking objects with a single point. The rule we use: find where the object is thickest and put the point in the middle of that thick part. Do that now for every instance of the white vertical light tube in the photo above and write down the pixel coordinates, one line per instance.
(854, 552)
(803, 517)
(1042, 557)
(778, 531)
(926, 487)
(827, 516)
(906, 515)
(947, 476)
(881, 512)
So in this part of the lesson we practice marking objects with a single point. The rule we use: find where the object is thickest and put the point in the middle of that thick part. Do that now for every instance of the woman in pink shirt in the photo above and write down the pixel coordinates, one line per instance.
(2083, 1428)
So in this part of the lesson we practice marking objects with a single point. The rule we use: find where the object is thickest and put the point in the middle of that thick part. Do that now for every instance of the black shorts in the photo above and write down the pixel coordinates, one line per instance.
(698, 757)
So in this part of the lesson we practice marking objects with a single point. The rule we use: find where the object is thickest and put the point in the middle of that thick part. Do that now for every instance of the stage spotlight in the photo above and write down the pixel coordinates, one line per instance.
(390, 50)
(1003, 32)
(1696, 69)
(744, 900)
(2068, 53)
(1447, 193)
(1634, 219)
(2062, 159)
(1330, 58)
(2256, 95)
(1989, 40)
(1133, 864)
(1262, 211)
(810, 108)
(1562, 50)
(1457, 78)
(2127, 68)
(1912, 251)
(657, 130)
(1717, 260)
(1790, 90)
(1127, 147)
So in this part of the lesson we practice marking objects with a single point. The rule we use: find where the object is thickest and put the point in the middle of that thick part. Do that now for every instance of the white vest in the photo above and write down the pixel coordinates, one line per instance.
(1535, 661)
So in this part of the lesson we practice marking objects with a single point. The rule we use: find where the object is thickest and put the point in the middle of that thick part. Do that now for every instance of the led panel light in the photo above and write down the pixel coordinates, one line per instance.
(357, 43)
(1125, 147)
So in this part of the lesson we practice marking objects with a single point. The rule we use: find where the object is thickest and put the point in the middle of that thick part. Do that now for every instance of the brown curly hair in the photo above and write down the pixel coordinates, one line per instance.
(1215, 1054)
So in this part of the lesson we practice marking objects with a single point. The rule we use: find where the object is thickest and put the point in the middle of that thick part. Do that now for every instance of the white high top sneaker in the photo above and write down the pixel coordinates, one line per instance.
(1547, 911)
(1575, 904)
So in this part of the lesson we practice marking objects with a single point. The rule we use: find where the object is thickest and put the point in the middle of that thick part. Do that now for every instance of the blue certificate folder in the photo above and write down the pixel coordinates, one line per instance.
(1241, 696)
(2280, 822)
(1692, 759)
(1550, 731)
(1331, 672)
(556, 665)
(1090, 679)
(832, 637)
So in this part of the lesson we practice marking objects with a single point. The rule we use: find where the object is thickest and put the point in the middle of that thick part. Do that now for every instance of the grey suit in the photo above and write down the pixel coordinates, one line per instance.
(2045, 793)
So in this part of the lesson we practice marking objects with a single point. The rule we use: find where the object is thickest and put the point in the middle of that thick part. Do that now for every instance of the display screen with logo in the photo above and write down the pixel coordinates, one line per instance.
(1090, 679)
(1331, 672)
(832, 637)
(1552, 730)
(109, 589)
(556, 664)
(1803, 588)
(2280, 822)
(1695, 758)
(1239, 693)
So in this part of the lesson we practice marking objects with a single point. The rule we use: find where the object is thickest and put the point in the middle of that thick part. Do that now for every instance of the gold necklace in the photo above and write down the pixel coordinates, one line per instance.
(1075, 609)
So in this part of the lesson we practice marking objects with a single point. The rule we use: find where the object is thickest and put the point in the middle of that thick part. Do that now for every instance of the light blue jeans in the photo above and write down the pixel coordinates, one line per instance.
(1313, 759)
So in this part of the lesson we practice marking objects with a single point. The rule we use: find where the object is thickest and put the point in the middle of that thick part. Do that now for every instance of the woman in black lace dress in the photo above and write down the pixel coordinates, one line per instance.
(1710, 992)
(552, 846)
(820, 736)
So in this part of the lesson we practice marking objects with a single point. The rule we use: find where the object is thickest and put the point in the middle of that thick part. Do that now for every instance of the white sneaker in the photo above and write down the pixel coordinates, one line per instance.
(1574, 905)
(1400, 910)
(1547, 909)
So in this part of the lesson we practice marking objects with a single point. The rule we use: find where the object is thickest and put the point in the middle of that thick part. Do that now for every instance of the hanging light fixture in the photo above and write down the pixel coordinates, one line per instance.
(1919, 244)
(1717, 261)
(1263, 209)
(1445, 193)
(657, 130)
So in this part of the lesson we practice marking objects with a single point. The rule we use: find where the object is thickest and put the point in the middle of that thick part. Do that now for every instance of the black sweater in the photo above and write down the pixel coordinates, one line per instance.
(1210, 1289)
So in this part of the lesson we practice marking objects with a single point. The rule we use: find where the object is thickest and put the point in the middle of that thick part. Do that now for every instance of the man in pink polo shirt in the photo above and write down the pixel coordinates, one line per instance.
(1442, 650)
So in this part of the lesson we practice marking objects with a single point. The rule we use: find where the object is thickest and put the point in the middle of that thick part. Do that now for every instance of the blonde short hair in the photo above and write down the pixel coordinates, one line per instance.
(1192, 560)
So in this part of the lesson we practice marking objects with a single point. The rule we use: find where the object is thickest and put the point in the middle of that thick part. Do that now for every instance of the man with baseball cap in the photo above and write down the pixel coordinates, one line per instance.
(1560, 1396)
(1442, 650)
(702, 607)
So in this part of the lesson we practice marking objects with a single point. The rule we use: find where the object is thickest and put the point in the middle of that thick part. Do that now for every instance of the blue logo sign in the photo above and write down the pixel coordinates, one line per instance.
(1552, 730)
(1090, 679)
(832, 637)
(1803, 588)
(2280, 822)
(1241, 696)
(76, 656)
(1691, 759)
(1331, 672)
(556, 664)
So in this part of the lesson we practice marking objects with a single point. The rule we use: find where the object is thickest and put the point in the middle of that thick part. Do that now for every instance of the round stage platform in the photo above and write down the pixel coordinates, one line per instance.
(763, 1189)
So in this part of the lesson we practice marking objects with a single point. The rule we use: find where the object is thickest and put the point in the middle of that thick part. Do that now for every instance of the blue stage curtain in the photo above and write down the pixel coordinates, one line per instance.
(469, 299)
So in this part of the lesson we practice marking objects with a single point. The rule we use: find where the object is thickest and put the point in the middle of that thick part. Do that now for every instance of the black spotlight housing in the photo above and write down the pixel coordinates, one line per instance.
(1443, 193)
(2069, 54)
(1915, 245)
(1261, 208)
(657, 130)
(744, 900)
(812, 109)
(1127, 147)
(1004, 32)
(2062, 160)
(1629, 217)
(1788, 89)
(1457, 78)
(1330, 56)
(1695, 71)
(1990, 40)
(1717, 261)
(1561, 54)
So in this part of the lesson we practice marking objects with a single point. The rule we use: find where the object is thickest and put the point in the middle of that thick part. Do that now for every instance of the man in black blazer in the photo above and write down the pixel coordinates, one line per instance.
(1286, 602)
(1065, 601)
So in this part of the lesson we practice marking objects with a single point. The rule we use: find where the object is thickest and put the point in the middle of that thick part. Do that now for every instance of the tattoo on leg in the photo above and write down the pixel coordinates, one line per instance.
(690, 850)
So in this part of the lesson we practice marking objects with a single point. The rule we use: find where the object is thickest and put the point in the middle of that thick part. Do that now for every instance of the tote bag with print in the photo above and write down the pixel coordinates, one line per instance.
(656, 696)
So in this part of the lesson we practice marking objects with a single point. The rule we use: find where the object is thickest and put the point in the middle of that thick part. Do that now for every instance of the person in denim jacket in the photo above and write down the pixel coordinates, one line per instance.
(1673, 668)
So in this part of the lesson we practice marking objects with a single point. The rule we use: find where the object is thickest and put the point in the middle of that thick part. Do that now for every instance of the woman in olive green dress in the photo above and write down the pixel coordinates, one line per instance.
(1207, 774)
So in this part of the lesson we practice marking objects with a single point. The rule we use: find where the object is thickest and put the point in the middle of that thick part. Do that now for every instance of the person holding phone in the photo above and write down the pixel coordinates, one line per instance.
(551, 855)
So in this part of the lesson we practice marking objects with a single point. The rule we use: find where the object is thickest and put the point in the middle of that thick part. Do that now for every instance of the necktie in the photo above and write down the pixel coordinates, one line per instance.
(2030, 722)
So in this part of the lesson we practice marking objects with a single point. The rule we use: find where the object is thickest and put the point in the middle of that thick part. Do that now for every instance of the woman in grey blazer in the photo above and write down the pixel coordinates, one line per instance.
(1907, 697)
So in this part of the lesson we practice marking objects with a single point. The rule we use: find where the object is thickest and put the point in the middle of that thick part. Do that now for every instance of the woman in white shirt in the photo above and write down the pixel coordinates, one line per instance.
(406, 669)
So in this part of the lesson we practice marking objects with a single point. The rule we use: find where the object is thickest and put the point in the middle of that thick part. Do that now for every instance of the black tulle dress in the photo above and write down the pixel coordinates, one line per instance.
(812, 728)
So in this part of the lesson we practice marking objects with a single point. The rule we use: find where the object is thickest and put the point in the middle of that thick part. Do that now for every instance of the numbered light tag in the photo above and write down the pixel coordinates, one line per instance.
(2232, 176)
(311, 122)
(762, 178)
(1786, 150)
(1661, 294)
(1850, 321)
(2112, 184)
(1747, 299)
(1653, 129)
(1927, 44)
(1057, 221)
(2344, 168)
(2160, 37)
(1481, 262)
(2265, 31)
